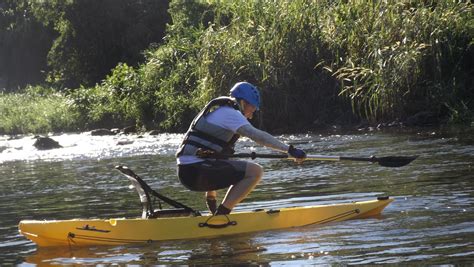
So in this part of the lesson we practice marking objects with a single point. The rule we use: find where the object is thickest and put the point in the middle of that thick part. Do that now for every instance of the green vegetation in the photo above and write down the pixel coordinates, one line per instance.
(404, 57)
(75, 42)
(316, 62)
(37, 110)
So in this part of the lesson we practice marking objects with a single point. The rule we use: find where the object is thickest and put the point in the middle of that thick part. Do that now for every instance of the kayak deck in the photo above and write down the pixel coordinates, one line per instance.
(87, 232)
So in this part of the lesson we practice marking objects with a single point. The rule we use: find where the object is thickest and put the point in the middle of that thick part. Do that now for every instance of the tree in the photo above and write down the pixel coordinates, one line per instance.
(96, 35)
(24, 45)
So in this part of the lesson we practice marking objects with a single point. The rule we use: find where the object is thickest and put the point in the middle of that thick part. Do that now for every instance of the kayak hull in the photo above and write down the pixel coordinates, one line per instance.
(90, 232)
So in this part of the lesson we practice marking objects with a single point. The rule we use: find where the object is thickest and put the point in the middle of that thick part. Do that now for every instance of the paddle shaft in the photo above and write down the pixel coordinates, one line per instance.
(383, 161)
(308, 157)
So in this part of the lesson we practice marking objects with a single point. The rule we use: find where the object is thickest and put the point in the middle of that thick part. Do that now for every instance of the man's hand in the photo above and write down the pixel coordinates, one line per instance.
(296, 153)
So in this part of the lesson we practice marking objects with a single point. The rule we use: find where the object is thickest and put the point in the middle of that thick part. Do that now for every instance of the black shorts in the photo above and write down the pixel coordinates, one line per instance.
(211, 175)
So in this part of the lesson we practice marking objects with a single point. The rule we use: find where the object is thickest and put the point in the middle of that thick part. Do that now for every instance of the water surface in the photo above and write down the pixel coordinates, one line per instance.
(431, 220)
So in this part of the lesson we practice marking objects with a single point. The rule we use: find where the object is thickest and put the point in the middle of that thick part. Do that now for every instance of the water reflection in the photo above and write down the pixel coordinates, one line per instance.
(193, 252)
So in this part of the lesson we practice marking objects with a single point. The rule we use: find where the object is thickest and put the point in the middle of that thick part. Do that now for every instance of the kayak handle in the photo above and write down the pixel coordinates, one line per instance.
(217, 226)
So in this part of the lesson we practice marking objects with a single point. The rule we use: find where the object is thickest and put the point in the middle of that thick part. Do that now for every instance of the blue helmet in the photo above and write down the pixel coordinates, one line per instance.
(247, 92)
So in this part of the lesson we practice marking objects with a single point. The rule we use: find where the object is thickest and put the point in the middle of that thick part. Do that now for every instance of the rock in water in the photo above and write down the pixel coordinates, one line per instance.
(129, 130)
(45, 143)
(101, 132)
(154, 132)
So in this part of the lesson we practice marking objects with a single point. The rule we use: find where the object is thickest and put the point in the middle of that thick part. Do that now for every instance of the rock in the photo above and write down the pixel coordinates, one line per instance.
(395, 123)
(124, 142)
(101, 132)
(363, 125)
(14, 137)
(381, 125)
(154, 132)
(115, 130)
(45, 143)
(129, 130)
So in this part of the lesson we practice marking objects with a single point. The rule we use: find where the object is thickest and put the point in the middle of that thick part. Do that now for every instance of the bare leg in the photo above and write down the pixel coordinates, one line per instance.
(211, 201)
(211, 194)
(239, 191)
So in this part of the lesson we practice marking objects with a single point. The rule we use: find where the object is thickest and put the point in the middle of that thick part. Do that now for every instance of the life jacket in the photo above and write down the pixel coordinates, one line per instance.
(208, 136)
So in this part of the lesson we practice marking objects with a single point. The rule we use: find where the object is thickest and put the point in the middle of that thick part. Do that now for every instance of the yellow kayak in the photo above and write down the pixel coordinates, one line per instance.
(183, 222)
(83, 232)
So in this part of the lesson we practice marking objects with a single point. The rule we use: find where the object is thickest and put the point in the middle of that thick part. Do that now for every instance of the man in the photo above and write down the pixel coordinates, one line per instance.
(216, 128)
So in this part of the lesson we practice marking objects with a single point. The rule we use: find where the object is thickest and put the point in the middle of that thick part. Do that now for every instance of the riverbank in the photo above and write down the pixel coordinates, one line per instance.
(317, 65)
(40, 110)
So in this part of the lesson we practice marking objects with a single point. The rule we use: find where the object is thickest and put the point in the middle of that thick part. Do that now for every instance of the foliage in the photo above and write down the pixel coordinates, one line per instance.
(316, 62)
(76, 42)
(312, 62)
(37, 110)
(24, 45)
(396, 59)
(117, 101)
(170, 73)
(96, 35)
(266, 45)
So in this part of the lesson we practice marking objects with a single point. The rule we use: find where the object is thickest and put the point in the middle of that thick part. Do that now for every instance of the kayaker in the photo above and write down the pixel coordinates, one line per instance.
(216, 128)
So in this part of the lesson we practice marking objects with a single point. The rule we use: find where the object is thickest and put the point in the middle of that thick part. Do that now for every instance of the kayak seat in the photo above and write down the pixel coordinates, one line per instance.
(148, 197)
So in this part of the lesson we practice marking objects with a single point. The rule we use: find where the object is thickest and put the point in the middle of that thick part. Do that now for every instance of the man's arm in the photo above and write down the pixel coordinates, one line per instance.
(263, 138)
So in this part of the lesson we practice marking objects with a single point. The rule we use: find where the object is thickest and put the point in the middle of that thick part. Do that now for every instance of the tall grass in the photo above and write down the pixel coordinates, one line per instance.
(35, 111)
(394, 59)
(273, 44)
(318, 61)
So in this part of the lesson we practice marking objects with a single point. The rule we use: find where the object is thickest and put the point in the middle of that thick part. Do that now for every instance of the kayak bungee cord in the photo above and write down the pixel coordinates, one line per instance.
(337, 217)
(72, 236)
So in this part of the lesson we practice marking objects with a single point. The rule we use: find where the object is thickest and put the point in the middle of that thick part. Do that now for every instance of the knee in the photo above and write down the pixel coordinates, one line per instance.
(254, 171)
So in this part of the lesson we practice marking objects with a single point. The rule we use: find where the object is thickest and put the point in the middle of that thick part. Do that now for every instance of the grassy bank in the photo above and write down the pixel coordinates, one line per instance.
(37, 110)
(317, 63)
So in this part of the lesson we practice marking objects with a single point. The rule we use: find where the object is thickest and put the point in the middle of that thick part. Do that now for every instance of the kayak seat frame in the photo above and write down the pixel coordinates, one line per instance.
(148, 198)
(162, 213)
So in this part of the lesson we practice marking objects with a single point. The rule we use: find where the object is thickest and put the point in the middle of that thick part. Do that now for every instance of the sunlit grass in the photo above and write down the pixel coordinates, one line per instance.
(30, 113)
(399, 57)
(314, 60)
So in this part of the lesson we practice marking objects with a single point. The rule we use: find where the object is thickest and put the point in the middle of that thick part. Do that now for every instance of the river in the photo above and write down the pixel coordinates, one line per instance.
(430, 222)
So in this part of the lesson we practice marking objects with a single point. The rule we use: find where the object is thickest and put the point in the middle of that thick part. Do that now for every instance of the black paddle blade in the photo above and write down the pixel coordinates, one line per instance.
(394, 161)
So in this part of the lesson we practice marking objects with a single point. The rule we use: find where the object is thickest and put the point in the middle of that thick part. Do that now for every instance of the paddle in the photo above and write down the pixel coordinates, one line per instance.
(390, 161)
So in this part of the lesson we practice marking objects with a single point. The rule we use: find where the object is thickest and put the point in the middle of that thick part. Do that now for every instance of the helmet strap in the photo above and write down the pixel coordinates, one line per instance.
(239, 103)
